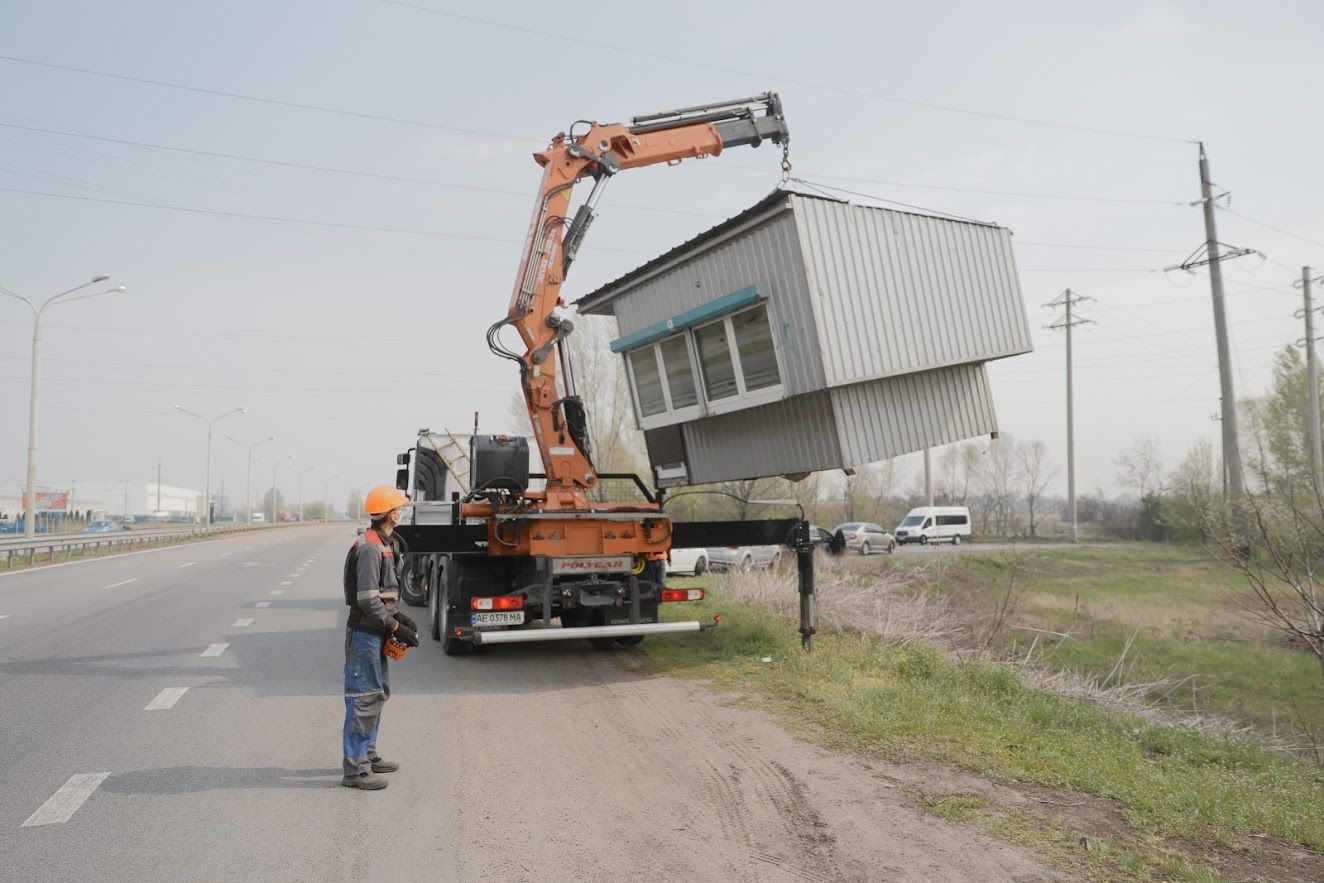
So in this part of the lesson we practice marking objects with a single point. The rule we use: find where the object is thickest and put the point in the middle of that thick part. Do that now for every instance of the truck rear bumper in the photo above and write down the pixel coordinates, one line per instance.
(524, 636)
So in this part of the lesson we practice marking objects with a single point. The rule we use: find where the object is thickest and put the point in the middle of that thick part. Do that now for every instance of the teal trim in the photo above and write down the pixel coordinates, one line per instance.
(727, 303)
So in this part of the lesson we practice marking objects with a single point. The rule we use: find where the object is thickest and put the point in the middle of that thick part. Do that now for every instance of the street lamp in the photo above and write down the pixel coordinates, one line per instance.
(301, 475)
(248, 481)
(30, 508)
(276, 466)
(326, 498)
(211, 422)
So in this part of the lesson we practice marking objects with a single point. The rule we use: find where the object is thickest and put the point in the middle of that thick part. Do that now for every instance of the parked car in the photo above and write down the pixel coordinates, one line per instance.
(933, 524)
(688, 561)
(101, 527)
(866, 538)
(743, 558)
(821, 537)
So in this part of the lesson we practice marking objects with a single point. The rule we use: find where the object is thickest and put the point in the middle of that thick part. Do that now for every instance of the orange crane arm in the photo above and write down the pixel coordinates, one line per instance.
(599, 151)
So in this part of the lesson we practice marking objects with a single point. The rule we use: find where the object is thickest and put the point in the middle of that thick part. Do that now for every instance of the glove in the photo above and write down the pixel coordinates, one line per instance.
(404, 620)
(405, 635)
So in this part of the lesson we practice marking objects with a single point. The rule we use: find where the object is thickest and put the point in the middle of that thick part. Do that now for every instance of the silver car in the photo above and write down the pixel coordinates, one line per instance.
(743, 558)
(866, 538)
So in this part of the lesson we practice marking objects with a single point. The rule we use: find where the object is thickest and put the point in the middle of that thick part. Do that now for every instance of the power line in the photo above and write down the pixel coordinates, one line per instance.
(381, 118)
(782, 79)
(1269, 226)
(359, 173)
(1181, 203)
(283, 220)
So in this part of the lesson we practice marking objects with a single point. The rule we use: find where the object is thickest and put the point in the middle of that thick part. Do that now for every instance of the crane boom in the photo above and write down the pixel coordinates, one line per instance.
(598, 151)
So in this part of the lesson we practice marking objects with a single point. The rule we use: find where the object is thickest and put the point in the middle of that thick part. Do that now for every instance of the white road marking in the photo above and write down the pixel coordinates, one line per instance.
(262, 604)
(277, 591)
(287, 582)
(166, 699)
(240, 623)
(65, 802)
(4, 616)
(246, 548)
(214, 650)
(190, 564)
(123, 582)
(223, 554)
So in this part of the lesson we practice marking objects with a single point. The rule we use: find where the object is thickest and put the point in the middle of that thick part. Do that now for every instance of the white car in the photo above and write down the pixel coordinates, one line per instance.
(687, 561)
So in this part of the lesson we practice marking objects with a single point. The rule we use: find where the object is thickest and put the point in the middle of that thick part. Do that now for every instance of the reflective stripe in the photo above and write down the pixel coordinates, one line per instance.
(370, 593)
(390, 596)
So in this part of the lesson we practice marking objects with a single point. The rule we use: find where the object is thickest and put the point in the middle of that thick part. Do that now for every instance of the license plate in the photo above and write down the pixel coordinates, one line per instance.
(503, 617)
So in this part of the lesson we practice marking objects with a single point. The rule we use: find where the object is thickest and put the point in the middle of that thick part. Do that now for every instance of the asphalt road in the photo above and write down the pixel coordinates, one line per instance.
(158, 724)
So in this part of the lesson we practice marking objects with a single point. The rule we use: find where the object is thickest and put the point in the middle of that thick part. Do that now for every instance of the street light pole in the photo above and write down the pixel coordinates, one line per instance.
(276, 466)
(30, 503)
(248, 480)
(211, 423)
(301, 475)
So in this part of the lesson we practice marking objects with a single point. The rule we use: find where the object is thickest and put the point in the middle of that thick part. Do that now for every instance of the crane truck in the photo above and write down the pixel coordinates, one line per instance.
(492, 556)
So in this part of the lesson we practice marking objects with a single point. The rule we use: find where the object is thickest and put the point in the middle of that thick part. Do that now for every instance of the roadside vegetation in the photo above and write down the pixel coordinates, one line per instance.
(1166, 623)
(950, 661)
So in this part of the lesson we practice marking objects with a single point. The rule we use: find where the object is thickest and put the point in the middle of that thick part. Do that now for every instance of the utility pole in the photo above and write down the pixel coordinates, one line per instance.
(1066, 300)
(1212, 254)
(38, 312)
(211, 424)
(1307, 312)
(248, 480)
(928, 477)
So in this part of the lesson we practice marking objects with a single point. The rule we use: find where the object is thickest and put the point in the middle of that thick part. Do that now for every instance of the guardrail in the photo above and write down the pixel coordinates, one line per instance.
(52, 544)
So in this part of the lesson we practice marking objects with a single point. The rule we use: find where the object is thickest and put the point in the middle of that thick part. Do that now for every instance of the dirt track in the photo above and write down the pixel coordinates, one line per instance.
(674, 785)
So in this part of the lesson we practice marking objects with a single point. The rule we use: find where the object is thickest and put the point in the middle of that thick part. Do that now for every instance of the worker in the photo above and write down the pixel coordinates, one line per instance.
(373, 571)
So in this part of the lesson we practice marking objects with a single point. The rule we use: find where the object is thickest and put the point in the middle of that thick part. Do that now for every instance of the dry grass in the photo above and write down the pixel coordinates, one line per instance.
(899, 606)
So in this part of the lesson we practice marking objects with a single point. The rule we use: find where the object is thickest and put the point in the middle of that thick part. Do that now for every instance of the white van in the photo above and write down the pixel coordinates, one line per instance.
(934, 524)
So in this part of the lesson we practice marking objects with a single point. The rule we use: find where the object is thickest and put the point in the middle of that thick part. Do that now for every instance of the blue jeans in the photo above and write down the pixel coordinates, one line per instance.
(367, 687)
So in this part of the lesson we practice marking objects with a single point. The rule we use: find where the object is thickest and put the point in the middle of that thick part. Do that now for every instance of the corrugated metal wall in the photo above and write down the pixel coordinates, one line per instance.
(897, 415)
(894, 292)
(786, 437)
(768, 256)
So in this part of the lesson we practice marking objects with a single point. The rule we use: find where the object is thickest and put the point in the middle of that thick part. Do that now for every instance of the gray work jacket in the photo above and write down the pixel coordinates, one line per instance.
(380, 565)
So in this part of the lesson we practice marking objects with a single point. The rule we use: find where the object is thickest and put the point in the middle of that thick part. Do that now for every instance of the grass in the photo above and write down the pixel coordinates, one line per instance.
(1176, 609)
(1174, 788)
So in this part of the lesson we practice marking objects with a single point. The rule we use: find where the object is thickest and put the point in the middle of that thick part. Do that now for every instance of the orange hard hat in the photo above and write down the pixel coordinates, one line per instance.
(382, 499)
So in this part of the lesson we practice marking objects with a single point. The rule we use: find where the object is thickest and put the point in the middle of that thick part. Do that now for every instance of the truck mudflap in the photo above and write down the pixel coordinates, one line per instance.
(524, 636)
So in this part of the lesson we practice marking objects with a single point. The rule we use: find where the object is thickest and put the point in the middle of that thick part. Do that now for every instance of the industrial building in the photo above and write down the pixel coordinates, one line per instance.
(808, 333)
(133, 499)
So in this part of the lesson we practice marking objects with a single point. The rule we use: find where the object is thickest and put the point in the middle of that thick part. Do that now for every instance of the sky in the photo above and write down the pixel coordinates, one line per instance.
(346, 311)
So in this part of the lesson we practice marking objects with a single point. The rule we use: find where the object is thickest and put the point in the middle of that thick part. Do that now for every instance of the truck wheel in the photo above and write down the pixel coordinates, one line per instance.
(923, 541)
(631, 640)
(747, 564)
(701, 566)
(413, 591)
(956, 540)
(450, 645)
(434, 614)
(602, 643)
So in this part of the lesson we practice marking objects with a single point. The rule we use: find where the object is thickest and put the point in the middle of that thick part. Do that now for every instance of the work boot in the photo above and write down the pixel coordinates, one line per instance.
(365, 781)
(384, 766)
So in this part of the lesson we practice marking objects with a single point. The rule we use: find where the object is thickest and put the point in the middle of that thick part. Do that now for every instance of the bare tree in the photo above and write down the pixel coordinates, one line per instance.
(998, 475)
(1141, 468)
(1282, 567)
(1035, 472)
